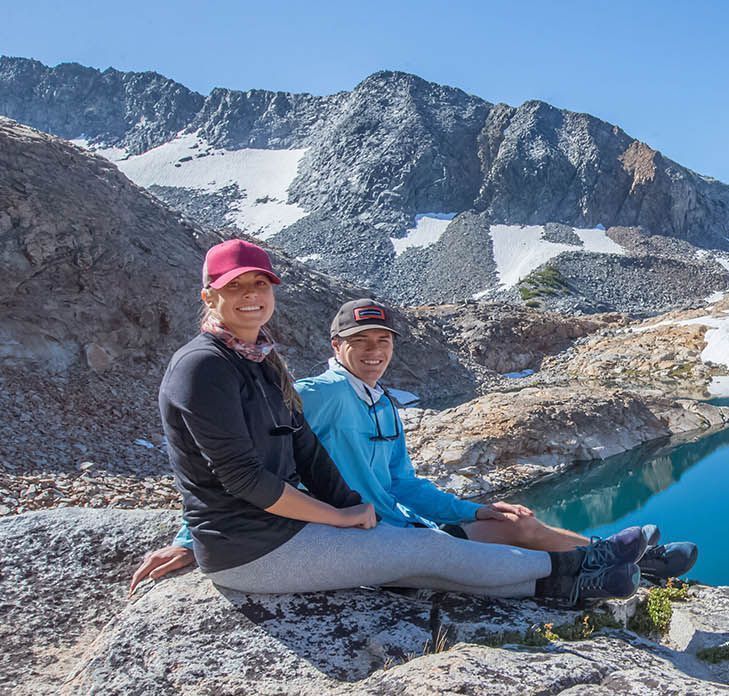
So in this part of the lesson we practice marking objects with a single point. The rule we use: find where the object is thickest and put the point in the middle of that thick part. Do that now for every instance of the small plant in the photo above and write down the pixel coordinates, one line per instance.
(585, 625)
(677, 590)
(441, 642)
(682, 371)
(545, 282)
(653, 615)
(538, 636)
(719, 653)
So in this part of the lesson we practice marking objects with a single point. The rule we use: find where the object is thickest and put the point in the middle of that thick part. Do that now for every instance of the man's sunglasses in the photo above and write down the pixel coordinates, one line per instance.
(380, 437)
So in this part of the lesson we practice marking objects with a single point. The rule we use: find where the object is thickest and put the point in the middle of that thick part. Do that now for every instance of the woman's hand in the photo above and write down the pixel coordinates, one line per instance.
(158, 563)
(362, 516)
(501, 511)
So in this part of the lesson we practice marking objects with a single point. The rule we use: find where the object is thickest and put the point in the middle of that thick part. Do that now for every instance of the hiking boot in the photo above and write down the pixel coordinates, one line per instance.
(652, 534)
(626, 546)
(617, 581)
(669, 560)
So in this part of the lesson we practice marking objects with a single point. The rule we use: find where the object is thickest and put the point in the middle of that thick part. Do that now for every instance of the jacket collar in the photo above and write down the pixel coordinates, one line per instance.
(370, 395)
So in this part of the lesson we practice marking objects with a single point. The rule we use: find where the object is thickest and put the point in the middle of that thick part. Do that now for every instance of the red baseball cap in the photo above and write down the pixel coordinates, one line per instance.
(228, 260)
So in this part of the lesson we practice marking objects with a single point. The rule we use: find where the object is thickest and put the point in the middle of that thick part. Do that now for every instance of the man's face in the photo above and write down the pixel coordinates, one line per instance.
(366, 354)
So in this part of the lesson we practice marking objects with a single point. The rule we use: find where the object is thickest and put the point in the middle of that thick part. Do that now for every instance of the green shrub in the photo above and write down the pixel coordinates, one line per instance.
(653, 615)
(545, 282)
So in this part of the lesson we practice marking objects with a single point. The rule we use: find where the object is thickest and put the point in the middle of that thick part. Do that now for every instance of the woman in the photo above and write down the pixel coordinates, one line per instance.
(240, 447)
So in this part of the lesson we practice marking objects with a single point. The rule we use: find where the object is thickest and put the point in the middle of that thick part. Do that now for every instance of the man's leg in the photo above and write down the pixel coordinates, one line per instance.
(527, 532)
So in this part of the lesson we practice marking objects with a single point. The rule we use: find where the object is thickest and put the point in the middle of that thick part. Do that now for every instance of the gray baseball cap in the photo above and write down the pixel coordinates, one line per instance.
(359, 315)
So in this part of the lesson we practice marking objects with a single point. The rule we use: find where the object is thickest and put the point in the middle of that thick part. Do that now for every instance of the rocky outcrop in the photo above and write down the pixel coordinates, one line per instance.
(638, 285)
(603, 176)
(503, 440)
(504, 338)
(665, 353)
(68, 629)
(96, 268)
(64, 576)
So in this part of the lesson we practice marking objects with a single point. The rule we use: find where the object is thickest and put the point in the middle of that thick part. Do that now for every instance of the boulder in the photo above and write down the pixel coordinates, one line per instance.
(67, 628)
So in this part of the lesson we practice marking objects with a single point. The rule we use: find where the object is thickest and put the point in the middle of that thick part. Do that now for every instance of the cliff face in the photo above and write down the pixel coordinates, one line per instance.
(372, 162)
(92, 263)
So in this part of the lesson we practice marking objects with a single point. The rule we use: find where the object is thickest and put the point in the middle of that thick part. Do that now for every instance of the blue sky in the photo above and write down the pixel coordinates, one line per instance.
(657, 68)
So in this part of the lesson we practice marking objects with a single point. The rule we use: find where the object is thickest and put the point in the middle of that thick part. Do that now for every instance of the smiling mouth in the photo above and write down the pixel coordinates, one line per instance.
(373, 363)
(251, 308)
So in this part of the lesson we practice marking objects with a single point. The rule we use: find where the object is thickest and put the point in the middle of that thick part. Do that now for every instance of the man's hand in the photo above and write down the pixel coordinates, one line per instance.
(501, 511)
(158, 563)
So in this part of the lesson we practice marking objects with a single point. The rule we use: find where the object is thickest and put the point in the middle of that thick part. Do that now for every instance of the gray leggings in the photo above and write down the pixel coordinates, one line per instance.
(321, 557)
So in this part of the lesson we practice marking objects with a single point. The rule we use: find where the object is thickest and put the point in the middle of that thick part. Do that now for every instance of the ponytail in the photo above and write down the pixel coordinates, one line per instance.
(290, 395)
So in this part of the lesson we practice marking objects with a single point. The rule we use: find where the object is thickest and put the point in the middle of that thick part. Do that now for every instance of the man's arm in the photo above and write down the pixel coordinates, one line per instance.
(183, 537)
(423, 496)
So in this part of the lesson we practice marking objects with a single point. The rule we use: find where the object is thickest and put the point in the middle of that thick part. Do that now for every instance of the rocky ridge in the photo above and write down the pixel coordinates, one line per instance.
(395, 147)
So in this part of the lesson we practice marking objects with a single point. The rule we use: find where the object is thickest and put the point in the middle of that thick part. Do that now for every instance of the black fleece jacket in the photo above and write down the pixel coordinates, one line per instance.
(227, 464)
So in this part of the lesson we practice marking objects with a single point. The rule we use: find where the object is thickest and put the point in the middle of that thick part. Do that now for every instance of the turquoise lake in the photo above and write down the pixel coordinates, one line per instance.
(683, 489)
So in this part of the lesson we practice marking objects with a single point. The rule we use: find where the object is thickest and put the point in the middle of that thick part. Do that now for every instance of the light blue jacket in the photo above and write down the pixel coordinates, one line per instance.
(379, 470)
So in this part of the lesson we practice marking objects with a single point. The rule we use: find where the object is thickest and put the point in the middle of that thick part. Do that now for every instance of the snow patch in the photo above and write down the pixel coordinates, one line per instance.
(719, 386)
(518, 375)
(723, 261)
(113, 154)
(308, 257)
(427, 231)
(714, 297)
(519, 249)
(263, 177)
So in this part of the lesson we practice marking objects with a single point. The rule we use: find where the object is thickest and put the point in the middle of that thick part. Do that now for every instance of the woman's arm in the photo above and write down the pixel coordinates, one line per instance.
(297, 505)
(318, 472)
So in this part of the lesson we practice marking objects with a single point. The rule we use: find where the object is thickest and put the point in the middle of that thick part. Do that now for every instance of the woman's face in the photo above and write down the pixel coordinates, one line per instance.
(244, 305)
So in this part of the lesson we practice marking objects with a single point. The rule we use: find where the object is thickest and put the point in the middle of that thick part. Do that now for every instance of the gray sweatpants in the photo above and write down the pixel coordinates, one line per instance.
(321, 557)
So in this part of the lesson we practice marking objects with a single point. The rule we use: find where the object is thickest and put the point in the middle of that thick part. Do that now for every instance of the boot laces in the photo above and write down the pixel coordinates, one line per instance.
(588, 579)
(598, 554)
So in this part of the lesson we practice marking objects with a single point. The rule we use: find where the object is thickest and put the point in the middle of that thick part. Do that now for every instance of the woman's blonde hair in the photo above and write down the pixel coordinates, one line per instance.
(286, 383)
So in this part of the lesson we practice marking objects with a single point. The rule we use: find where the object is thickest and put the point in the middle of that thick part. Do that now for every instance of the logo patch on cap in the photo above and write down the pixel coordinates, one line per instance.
(371, 312)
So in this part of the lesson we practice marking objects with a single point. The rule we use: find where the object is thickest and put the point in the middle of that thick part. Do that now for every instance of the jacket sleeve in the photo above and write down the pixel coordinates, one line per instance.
(422, 496)
(183, 537)
(318, 472)
(205, 390)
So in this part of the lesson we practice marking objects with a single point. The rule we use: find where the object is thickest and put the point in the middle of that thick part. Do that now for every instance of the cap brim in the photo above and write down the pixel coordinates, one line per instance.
(365, 327)
(230, 275)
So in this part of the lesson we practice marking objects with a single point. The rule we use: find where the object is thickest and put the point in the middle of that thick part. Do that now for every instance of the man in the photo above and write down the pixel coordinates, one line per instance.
(356, 420)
